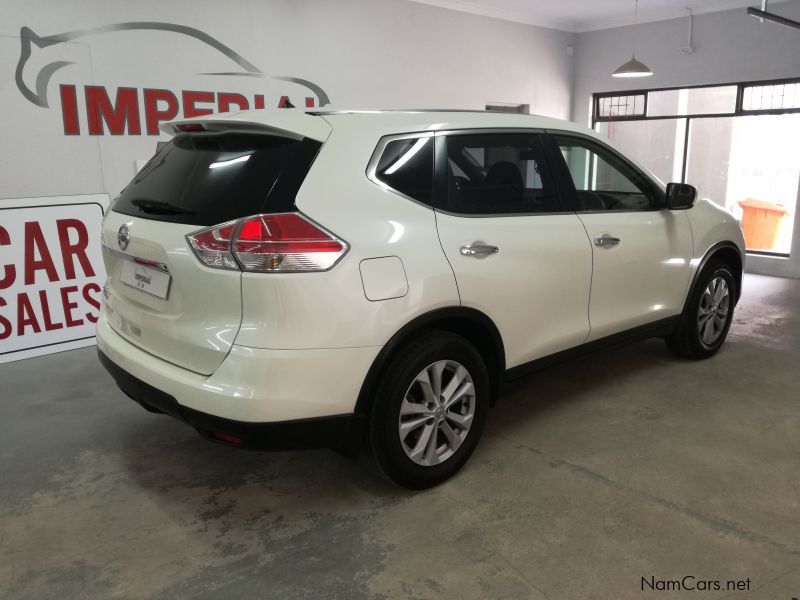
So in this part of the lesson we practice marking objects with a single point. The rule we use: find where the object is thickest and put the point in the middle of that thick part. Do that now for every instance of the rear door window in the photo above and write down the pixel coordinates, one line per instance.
(498, 174)
(206, 179)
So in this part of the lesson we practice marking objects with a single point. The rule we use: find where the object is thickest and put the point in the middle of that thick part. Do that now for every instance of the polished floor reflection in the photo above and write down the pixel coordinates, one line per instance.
(628, 464)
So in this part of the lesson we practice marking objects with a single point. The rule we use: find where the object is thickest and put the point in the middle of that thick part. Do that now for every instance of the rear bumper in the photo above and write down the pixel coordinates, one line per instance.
(285, 398)
(252, 384)
(339, 431)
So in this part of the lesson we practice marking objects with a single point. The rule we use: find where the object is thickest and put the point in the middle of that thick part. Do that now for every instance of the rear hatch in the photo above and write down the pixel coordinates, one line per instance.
(159, 296)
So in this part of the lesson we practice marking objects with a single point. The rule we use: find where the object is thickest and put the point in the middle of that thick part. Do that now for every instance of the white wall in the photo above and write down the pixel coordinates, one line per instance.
(388, 53)
(730, 46)
(382, 53)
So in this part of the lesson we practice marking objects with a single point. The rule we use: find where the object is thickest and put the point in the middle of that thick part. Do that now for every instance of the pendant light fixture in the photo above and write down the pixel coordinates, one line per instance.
(633, 68)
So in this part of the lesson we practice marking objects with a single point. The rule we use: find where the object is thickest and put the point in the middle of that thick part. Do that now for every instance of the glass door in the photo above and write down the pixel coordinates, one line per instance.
(750, 165)
(657, 144)
(737, 143)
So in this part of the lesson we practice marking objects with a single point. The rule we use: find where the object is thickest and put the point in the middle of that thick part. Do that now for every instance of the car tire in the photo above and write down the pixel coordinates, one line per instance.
(418, 438)
(707, 315)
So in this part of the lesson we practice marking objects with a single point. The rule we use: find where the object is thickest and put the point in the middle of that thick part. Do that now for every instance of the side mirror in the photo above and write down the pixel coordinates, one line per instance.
(680, 196)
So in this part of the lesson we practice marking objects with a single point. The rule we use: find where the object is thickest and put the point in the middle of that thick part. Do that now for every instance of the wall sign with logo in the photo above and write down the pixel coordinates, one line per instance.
(88, 99)
(51, 273)
(131, 110)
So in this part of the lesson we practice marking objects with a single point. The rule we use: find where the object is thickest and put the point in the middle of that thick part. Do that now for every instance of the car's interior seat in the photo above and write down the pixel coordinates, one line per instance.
(504, 183)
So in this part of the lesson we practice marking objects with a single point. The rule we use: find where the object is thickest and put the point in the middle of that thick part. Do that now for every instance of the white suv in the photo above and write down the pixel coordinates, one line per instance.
(347, 279)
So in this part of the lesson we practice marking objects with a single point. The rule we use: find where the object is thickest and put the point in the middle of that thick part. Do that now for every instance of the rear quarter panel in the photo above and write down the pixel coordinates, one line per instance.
(330, 309)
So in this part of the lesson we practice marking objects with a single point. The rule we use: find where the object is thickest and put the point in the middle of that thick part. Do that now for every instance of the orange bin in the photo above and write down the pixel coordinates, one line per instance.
(760, 223)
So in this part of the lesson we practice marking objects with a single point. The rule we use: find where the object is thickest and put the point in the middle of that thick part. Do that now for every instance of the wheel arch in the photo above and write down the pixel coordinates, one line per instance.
(729, 253)
(469, 323)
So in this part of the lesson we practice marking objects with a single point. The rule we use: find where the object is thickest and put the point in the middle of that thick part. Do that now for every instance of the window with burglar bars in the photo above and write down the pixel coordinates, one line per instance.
(620, 106)
(767, 97)
(755, 97)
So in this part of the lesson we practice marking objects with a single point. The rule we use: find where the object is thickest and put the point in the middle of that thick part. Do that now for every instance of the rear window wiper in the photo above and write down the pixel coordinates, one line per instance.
(160, 208)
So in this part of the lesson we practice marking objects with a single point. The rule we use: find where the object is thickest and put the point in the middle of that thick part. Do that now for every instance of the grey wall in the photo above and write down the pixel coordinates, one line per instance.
(730, 47)
(363, 53)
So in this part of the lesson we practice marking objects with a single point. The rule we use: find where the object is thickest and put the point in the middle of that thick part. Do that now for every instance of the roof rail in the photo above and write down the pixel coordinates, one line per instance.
(394, 110)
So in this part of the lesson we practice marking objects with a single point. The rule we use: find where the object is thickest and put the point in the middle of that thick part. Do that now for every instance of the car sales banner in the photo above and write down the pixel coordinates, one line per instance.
(51, 273)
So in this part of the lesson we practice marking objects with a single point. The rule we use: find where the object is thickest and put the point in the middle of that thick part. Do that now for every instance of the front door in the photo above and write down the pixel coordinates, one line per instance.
(641, 251)
(517, 256)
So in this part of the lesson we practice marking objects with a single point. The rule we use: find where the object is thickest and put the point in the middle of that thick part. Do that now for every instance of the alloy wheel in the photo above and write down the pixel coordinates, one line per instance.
(713, 311)
(437, 412)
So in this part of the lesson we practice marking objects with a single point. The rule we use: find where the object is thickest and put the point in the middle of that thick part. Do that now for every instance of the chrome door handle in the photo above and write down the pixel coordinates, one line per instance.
(478, 249)
(606, 241)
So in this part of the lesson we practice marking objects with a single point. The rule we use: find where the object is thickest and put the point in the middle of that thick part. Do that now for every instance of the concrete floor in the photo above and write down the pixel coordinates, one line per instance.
(590, 476)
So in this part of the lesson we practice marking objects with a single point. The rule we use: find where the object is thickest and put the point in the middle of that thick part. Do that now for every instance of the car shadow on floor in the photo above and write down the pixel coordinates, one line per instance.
(575, 379)
(163, 455)
(174, 465)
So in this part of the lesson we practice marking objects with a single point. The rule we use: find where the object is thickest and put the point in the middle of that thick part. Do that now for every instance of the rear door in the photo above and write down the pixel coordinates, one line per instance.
(159, 296)
(517, 256)
(641, 251)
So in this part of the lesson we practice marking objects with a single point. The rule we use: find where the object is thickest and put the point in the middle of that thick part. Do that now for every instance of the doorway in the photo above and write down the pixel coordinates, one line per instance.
(736, 143)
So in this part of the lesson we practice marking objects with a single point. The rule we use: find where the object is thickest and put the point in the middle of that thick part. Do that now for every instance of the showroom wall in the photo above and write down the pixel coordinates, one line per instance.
(86, 98)
(730, 46)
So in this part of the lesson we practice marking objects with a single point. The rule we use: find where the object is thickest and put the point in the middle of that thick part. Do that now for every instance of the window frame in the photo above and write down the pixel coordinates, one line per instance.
(737, 111)
(380, 148)
(441, 183)
(568, 192)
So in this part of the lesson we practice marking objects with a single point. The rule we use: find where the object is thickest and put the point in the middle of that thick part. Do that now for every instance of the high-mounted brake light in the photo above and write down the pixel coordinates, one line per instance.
(190, 127)
(285, 242)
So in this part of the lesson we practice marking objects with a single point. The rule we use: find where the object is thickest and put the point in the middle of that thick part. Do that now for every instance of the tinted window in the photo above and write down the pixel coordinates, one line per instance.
(498, 174)
(407, 166)
(207, 179)
(603, 180)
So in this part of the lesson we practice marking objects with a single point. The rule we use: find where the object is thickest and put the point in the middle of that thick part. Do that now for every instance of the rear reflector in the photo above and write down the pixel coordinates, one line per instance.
(226, 437)
(285, 242)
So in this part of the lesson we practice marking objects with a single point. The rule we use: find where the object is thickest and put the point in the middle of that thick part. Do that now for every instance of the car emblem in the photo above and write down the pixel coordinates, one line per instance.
(123, 237)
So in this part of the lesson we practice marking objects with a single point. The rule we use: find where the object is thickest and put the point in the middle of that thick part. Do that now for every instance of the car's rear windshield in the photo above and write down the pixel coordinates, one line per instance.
(206, 179)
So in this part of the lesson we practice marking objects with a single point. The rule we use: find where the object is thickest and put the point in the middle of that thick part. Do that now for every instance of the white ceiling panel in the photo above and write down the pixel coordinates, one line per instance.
(587, 15)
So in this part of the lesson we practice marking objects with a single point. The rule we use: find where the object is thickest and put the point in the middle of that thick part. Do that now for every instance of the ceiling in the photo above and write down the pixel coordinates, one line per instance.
(587, 15)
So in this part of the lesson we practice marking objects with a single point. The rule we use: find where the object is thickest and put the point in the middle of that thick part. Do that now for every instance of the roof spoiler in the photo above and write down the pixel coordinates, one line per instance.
(282, 122)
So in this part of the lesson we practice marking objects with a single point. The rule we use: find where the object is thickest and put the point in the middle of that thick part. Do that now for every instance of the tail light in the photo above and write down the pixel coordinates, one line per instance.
(286, 242)
(213, 245)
